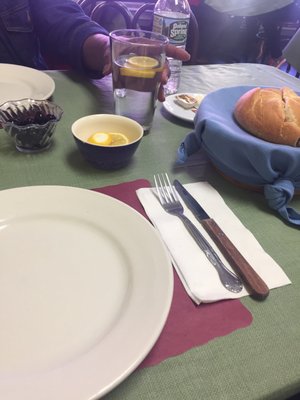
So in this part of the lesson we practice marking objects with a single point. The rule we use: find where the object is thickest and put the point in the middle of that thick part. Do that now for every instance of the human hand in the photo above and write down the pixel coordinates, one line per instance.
(96, 53)
(97, 57)
(173, 52)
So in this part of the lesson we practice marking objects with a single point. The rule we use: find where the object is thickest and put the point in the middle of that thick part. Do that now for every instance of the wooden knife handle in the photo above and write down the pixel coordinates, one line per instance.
(256, 286)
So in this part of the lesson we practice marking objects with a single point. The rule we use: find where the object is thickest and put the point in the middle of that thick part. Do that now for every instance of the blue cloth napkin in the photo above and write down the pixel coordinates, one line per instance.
(242, 156)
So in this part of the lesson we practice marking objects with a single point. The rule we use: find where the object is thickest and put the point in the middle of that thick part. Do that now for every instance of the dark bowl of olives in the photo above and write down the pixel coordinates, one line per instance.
(31, 123)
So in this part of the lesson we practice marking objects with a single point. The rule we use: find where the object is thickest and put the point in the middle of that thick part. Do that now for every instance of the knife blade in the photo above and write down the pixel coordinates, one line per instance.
(254, 283)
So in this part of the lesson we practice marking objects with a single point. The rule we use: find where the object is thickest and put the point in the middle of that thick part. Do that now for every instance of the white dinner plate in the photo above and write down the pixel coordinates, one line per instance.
(18, 82)
(178, 111)
(86, 286)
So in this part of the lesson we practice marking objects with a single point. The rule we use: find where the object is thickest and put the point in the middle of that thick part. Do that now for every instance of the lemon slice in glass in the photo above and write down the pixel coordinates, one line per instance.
(108, 139)
(140, 67)
(142, 62)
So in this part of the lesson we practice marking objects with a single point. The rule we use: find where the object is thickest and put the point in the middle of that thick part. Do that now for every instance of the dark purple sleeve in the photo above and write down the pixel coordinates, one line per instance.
(62, 27)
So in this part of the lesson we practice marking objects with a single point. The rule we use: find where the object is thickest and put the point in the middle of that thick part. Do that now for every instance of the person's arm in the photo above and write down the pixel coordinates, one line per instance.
(65, 31)
(63, 27)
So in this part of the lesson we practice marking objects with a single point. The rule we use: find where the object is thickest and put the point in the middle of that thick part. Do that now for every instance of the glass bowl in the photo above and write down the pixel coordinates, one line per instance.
(31, 123)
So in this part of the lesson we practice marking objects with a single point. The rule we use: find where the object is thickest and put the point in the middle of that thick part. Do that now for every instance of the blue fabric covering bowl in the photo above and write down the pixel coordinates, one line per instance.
(273, 168)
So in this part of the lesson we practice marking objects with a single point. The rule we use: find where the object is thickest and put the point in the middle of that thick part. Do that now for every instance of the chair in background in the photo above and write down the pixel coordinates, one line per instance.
(143, 17)
(116, 15)
(278, 27)
(87, 5)
(112, 15)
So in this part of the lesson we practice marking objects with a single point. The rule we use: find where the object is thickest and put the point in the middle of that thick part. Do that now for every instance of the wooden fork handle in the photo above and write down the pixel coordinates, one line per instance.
(254, 283)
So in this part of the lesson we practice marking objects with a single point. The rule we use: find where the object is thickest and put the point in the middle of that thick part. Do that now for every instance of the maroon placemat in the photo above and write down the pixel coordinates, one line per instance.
(188, 325)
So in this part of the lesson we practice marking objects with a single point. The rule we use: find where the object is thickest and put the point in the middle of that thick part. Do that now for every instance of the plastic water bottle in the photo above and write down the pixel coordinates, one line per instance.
(171, 18)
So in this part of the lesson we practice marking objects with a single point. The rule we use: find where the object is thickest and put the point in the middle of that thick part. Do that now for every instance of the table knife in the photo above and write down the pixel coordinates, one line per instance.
(254, 283)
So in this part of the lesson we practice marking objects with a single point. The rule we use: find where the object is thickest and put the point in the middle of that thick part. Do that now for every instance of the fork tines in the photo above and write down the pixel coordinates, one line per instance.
(165, 190)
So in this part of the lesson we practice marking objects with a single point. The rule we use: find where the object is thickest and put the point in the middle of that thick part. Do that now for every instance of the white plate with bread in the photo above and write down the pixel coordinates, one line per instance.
(183, 105)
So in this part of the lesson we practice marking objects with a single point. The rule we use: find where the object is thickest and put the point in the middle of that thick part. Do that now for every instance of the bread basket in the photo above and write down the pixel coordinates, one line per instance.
(243, 158)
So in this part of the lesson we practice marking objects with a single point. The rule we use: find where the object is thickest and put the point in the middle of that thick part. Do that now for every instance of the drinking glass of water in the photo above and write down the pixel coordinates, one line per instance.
(138, 59)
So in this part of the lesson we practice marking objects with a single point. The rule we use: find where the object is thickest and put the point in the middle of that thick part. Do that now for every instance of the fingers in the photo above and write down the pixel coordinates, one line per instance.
(107, 67)
(161, 94)
(165, 73)
(177, 52)
(95, 52)
(173, 52)
(163, 80)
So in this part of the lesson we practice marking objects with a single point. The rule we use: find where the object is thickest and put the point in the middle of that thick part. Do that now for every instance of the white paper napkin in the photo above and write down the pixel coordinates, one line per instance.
(197, 274)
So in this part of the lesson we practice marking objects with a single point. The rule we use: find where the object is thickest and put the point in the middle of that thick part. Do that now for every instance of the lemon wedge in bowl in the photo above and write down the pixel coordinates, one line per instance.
(123, 134)
(100, 138)
(108, 139)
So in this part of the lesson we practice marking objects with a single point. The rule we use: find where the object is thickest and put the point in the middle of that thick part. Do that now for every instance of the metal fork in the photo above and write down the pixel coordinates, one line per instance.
(171, 204)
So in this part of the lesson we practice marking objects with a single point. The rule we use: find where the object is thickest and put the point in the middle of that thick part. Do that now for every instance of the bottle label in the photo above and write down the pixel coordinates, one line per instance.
(175, 29)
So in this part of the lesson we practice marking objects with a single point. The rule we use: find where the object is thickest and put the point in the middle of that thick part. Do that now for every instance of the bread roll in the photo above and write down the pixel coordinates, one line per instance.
(270, 114)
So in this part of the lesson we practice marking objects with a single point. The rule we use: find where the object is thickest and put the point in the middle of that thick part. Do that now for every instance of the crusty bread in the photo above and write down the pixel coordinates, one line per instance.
(270, 114)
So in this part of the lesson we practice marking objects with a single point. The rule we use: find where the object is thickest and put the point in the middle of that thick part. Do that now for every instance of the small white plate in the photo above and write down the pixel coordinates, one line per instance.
(18, 82)
(86, 286)
(176, 110)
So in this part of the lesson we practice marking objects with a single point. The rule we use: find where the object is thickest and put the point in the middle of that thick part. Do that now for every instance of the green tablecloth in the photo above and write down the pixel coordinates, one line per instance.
(258, 362)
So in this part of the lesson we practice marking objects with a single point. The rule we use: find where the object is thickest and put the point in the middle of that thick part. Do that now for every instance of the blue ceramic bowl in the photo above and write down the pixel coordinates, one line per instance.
(107, 157)
(31, 123)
